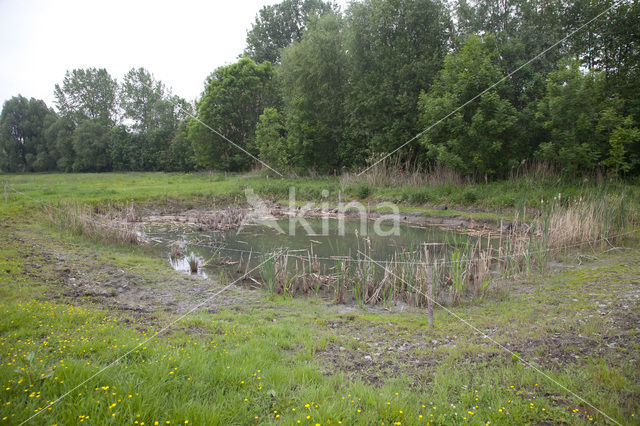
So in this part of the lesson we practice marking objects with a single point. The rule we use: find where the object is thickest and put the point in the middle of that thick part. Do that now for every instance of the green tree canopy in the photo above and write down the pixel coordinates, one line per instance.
(182, 157)
(277, 26)
(148, 105)
(271, 139)
(59, 136)
(139, 97)
(569, 112)
(313, 87)
(480, 136)
(23, 146)
(232, 102)
(87, 94)
(395, 50)
(91, 146)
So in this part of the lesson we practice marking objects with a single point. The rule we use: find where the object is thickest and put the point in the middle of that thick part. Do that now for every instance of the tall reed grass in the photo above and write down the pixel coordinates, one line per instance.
(394, 173)
(595, 216)
(95, 222)
(468, 269)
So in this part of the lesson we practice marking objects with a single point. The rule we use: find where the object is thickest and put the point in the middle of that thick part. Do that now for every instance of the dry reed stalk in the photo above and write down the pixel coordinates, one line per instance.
(92, 223)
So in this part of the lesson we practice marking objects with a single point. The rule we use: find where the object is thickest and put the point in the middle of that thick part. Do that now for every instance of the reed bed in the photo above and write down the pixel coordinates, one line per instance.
(468, 269)
(102, 223)
(594, 217)
(394, 173)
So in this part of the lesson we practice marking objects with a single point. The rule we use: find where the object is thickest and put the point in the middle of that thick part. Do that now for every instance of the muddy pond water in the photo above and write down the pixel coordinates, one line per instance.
(326, 240)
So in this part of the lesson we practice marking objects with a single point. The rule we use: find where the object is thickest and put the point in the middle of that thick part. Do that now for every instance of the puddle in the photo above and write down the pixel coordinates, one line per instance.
(183, 264)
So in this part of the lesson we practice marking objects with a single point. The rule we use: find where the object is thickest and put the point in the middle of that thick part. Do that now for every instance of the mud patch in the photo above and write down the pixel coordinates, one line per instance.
(82, 275)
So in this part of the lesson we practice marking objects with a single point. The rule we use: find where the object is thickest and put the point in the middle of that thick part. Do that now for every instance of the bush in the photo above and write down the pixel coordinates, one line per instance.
(419, 196)
(469, 196)
(363, 191)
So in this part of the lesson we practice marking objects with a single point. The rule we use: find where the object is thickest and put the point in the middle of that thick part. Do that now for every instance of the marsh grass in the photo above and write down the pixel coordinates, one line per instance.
(194, 263)
(469, 269)
(594, 217)
(100, 223)
(394, 173)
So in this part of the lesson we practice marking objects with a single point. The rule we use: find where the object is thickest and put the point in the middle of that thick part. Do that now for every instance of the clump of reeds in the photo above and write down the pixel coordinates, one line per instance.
(102, 223)
(130, 212)
(589, 219)
(397, 173)
(194, 263)
(176, 250)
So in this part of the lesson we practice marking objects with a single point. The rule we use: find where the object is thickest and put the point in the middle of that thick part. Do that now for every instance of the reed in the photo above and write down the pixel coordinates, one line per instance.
(596, 217)
(194, 264)
(102, 223)
(396, 173)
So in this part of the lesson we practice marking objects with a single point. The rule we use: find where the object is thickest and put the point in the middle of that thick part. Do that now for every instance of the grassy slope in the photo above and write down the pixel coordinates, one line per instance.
(284, 360)
(494, 200)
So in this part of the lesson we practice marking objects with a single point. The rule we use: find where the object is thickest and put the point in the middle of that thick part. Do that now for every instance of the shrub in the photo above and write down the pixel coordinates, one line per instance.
(363, 191)
(469, 196)
(419, 196)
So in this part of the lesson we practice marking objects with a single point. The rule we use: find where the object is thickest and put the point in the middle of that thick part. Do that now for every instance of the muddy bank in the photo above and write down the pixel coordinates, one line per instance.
(232, 217)
(86, 276)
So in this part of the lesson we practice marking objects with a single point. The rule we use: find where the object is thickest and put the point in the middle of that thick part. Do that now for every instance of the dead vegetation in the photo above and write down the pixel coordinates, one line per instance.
(394, 173)
(95, 222)
(203, 220)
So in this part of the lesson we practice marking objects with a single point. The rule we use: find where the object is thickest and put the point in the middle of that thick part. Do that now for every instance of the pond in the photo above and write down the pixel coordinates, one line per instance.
(325, 240)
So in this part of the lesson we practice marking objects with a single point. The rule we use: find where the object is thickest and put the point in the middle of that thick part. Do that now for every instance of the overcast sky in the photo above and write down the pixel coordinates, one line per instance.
(180, 42)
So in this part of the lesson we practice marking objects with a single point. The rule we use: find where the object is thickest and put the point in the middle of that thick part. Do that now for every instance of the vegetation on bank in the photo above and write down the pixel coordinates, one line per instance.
(417, 192)
(284, 361)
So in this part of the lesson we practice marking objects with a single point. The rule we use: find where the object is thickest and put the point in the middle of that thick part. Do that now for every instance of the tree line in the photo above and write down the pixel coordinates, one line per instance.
(100, 125)
(321, 89)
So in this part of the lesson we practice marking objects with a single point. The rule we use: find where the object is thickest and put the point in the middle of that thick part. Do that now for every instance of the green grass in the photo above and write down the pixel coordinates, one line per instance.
(491, 201)
(282, 360)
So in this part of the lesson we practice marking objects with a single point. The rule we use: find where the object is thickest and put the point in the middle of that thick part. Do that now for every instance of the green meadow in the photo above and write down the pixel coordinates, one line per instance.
(555, 348)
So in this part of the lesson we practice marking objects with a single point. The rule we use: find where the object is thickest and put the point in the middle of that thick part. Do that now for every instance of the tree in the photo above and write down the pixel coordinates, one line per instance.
(125, 149)
(139, 96)
(23, 146)
(271, 139)
(569, 113)
(87, 94)
(232, 102)
(153, 115)
(611, 45)
(313, 77)
(181, 155)
(59, 136)
(395, 50)
(91, 146)
(277, 26)
(148, 105)
(522, 29)
(622, 135)
(478, 137)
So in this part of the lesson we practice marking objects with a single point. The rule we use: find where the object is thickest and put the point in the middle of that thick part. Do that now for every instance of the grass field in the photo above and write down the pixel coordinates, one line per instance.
(69, 356)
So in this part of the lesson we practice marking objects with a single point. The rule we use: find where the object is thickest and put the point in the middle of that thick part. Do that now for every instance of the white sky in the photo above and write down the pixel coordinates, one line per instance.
(180, 42)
